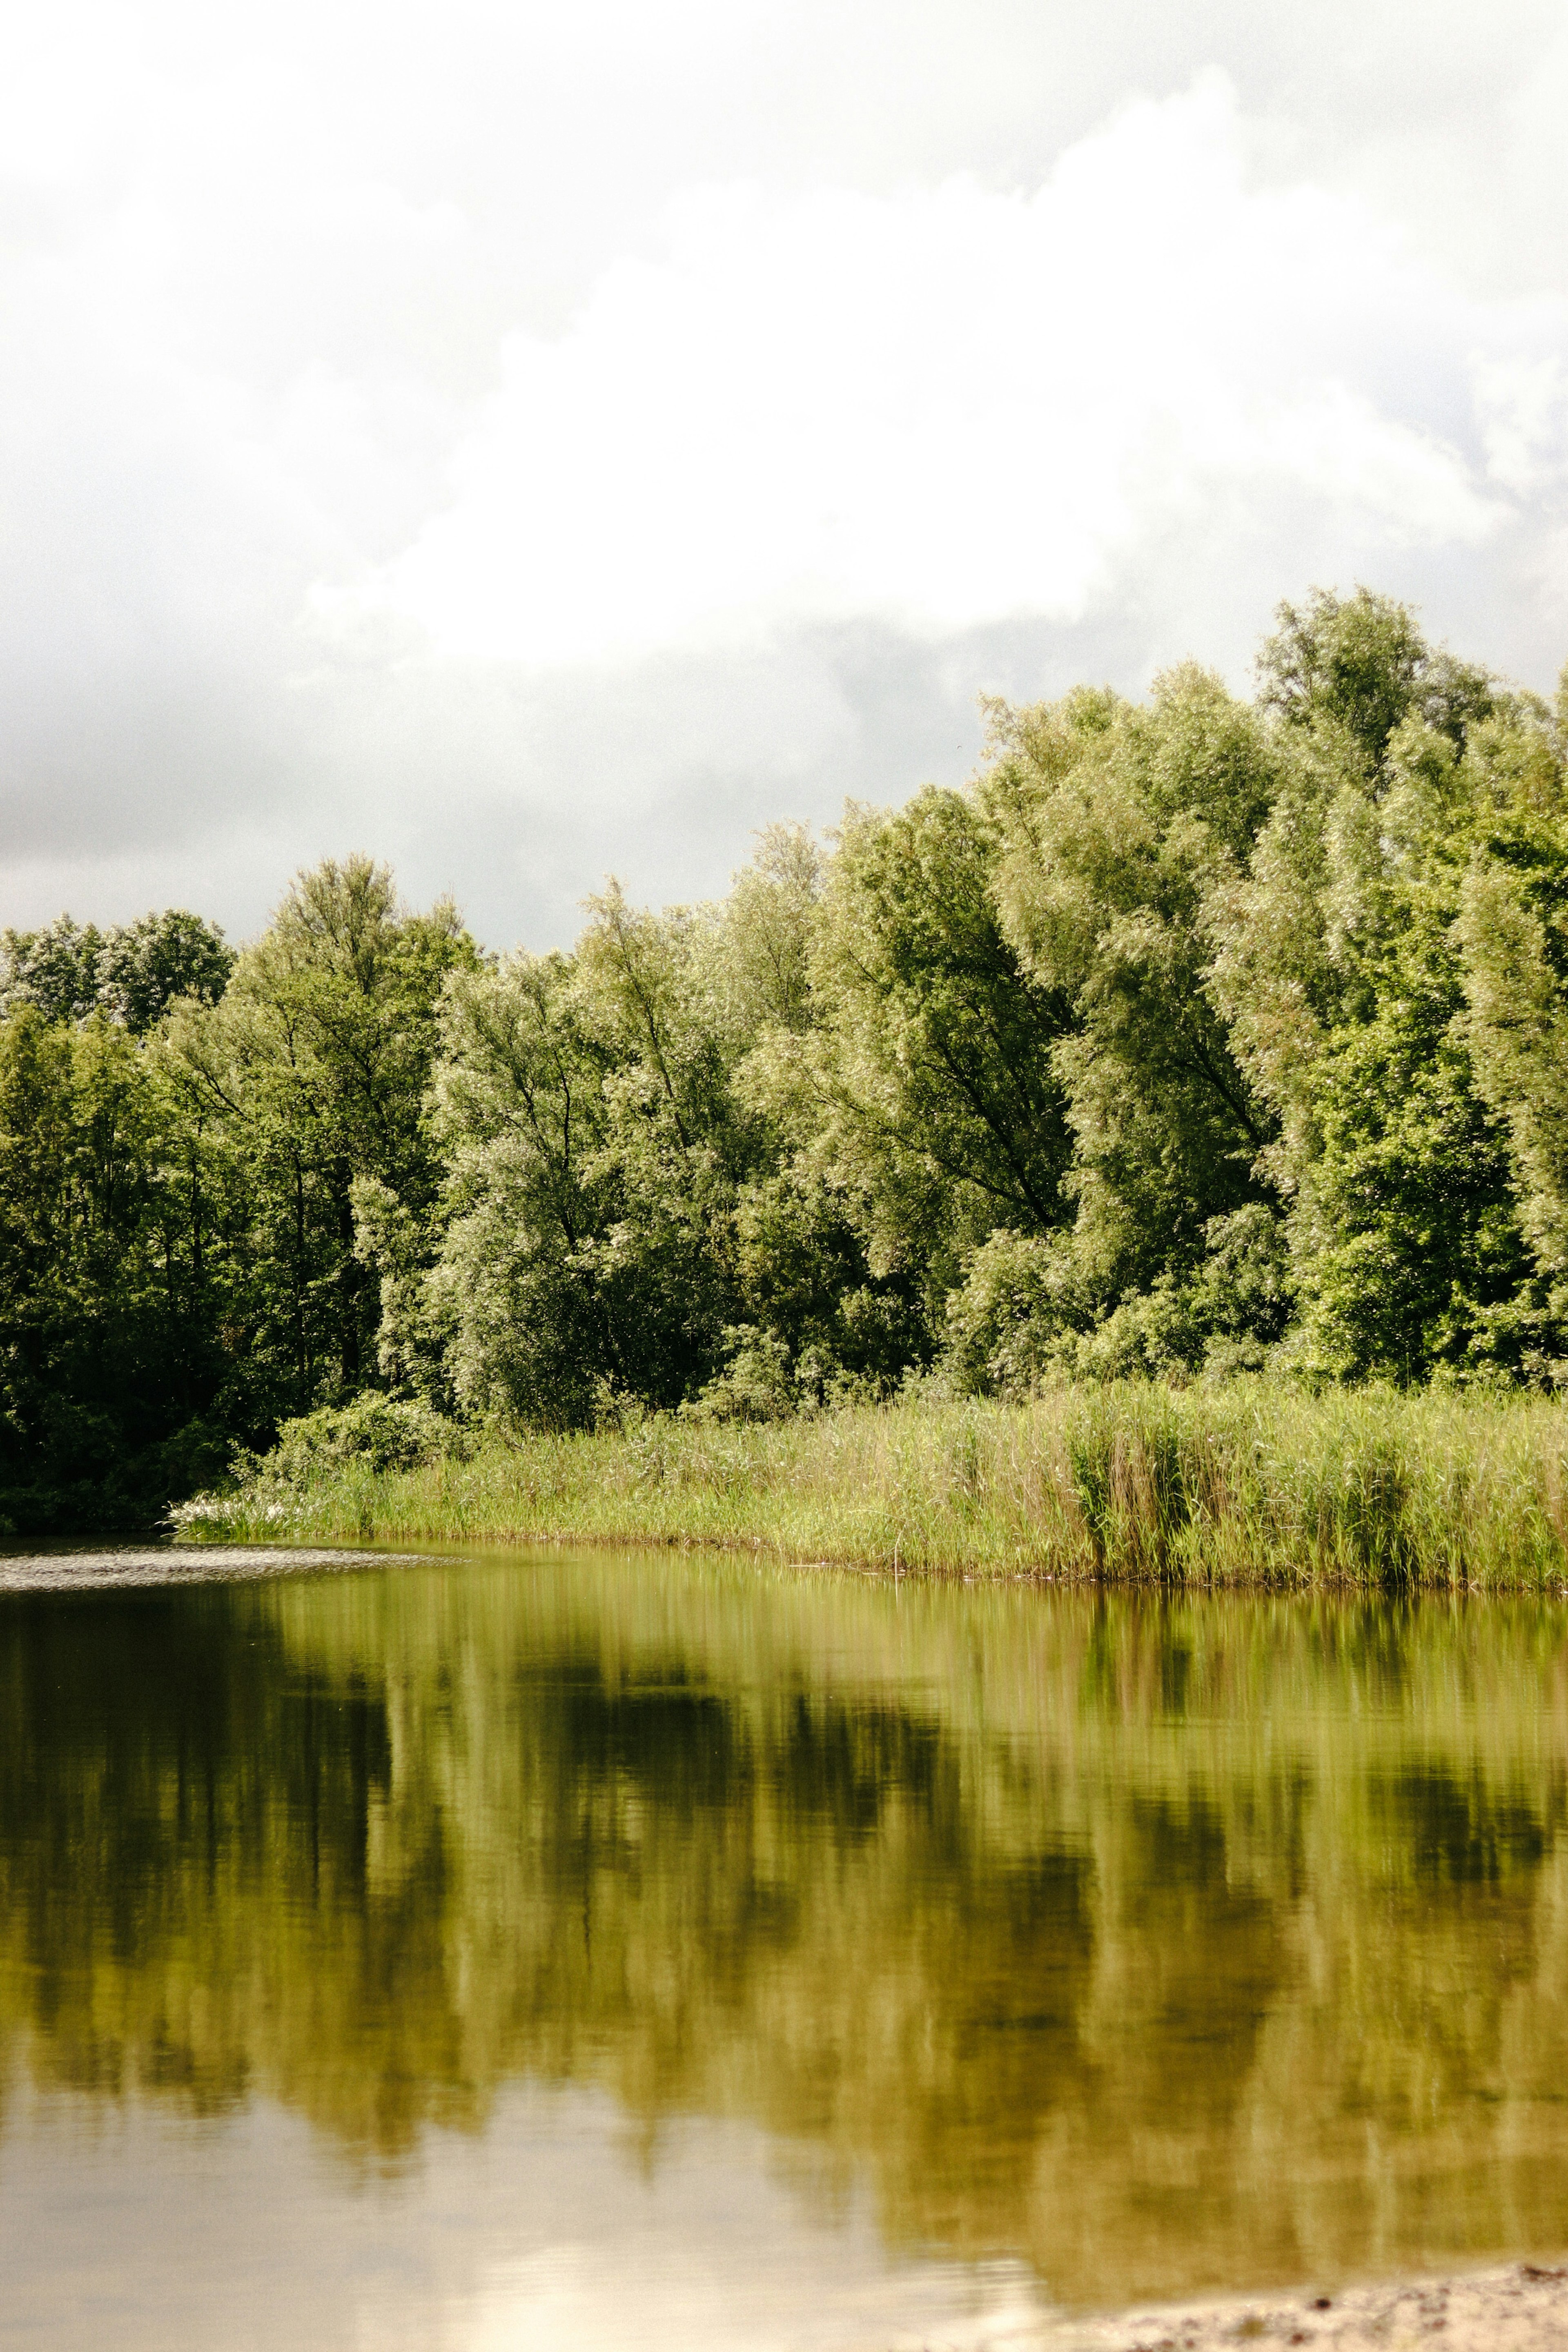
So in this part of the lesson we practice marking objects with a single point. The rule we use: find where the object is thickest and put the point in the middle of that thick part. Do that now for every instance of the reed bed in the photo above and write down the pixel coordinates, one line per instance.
(1248, 1483)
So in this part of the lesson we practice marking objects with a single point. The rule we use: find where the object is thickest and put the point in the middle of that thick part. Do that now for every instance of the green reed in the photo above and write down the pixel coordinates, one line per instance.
(1247, 1484)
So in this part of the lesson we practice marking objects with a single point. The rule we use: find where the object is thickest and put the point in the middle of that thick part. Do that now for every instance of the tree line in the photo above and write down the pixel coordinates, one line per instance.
(1194, 1036)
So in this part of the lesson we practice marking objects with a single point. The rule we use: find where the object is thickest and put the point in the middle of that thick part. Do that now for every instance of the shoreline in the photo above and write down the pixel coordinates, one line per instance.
(1520, 2307)
(1244, 1486)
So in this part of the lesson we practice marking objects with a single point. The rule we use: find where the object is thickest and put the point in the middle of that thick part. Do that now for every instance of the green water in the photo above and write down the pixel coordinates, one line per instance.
(588, 1950)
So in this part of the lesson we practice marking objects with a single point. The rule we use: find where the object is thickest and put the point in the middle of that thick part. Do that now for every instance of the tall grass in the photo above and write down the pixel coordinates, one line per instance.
(1250, 1484)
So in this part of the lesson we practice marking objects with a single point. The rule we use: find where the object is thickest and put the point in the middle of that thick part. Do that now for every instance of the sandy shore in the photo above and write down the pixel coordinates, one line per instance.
(1517, 2309)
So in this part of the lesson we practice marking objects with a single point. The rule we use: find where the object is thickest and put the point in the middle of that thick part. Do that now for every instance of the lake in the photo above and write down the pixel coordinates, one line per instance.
(551, 1949)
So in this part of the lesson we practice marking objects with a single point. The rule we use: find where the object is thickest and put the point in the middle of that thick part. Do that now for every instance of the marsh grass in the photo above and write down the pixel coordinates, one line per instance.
(1250, 1484)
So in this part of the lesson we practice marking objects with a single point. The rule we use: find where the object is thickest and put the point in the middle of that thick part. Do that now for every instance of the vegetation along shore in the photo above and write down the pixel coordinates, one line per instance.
(1239, 1483)
(1149, 1159)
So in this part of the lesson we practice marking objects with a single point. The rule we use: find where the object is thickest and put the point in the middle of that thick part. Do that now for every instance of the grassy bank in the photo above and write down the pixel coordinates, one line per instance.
(1248, 1483)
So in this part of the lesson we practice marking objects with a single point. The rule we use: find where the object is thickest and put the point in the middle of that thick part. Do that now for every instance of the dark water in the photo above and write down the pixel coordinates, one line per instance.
(574, 1949)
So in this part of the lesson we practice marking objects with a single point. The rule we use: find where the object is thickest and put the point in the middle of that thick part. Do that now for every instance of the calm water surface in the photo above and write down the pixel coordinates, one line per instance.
(590, 1950)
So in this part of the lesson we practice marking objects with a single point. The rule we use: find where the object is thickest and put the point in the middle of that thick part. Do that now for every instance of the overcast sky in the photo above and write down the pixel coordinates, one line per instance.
(526, 441)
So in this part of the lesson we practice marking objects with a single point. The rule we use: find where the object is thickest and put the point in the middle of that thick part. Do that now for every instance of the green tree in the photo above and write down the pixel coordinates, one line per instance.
(146, 966)
(1122, 826)
(110, 1358)
(55, 970)
(132, 972)
(596, 1151)
(1407, 1234)
(521, 1114)
(309, 1074)
(922, 1094)
(1512, 931)
(1359, 667)
(1353, 1005)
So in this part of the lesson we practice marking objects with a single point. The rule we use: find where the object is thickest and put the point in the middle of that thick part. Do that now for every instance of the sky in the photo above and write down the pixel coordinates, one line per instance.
(527, 442)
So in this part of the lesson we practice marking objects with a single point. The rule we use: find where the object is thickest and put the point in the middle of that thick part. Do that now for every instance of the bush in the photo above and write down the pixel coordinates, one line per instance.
(378, 1432)
(1025, 1316)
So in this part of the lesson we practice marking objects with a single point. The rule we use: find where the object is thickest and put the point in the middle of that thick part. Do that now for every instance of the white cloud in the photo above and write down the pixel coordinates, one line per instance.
(944, 407)
(1521, 402)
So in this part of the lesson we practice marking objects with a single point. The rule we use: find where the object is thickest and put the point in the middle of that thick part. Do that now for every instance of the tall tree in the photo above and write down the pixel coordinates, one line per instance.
(112, 1367)
(1344, 980)
(1121, 824)
(309, 1074)
(923, 1092)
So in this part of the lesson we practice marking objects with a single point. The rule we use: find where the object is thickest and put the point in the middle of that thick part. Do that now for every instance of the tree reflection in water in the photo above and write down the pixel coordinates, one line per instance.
(1183, 1942)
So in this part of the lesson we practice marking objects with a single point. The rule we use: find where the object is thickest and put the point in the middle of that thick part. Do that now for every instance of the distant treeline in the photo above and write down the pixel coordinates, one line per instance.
(1194, 1036)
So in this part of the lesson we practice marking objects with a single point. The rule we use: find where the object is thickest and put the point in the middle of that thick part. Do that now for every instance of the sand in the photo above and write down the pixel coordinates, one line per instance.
(1522, 2308)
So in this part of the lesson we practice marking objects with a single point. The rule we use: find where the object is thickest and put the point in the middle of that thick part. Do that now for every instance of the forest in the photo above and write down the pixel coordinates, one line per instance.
(1195, 1037)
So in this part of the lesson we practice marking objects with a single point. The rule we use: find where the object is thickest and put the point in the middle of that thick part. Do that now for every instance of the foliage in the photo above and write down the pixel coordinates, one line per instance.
(375, 1432)
(1122, 826)
(593, 1149)
(309, 1074)
(177, 1249)
(132, 974)
(921, 1095)
(109, 1359)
